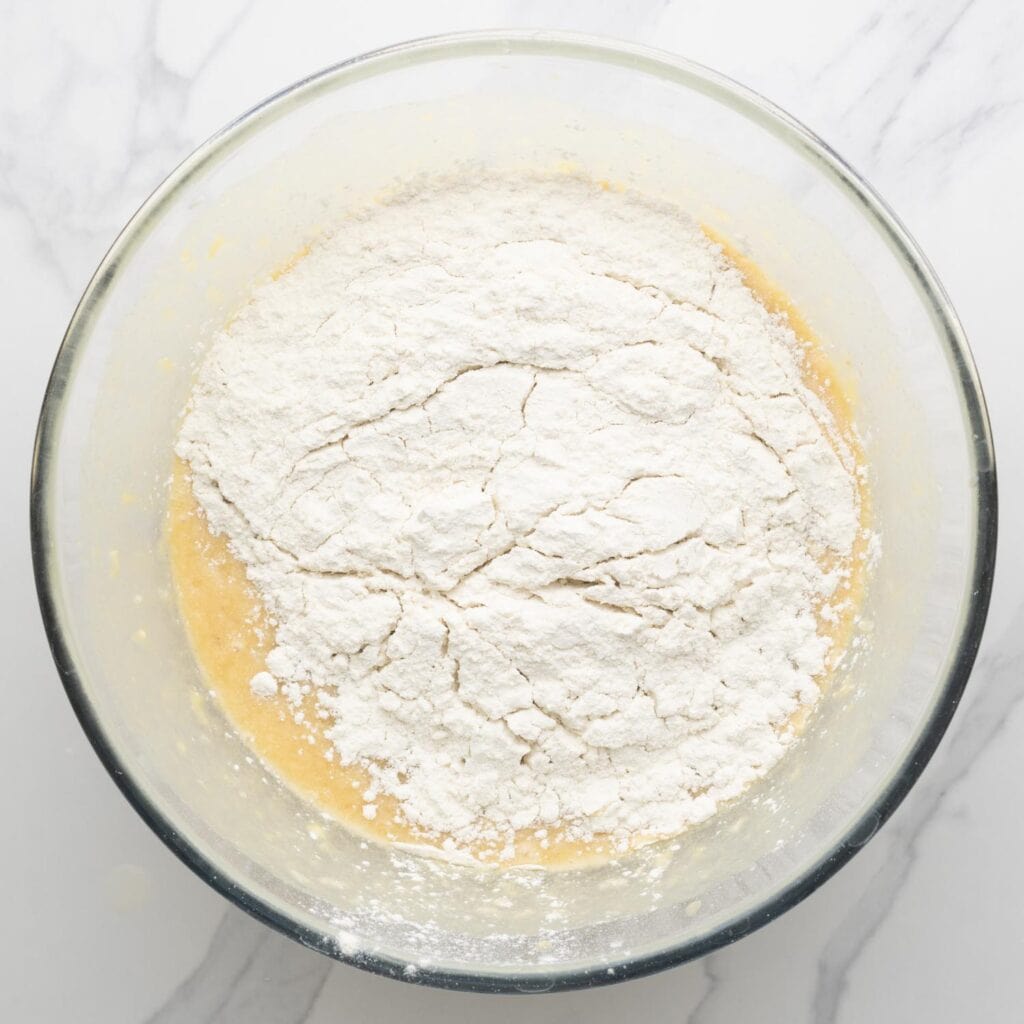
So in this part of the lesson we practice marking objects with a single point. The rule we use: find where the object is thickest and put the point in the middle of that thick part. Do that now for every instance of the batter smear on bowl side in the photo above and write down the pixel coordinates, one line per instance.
(511, 521)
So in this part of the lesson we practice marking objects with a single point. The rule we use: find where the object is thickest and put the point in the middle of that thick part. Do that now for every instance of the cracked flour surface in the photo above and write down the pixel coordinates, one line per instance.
(534, 490)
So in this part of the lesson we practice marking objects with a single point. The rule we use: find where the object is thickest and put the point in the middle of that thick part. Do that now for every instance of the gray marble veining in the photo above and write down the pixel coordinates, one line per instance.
(249, 973)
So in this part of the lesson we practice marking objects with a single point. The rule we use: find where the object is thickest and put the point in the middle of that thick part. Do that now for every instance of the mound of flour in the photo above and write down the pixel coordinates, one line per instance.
(539, 502)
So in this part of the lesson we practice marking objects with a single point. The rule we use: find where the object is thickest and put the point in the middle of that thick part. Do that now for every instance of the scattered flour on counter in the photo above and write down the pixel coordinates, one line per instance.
(533, 488)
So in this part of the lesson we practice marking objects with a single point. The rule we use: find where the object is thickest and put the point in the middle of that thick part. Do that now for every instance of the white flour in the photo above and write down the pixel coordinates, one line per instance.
(532, 487)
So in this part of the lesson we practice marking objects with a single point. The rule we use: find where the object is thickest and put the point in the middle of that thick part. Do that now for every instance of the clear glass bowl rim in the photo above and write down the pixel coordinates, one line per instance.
(688, 75)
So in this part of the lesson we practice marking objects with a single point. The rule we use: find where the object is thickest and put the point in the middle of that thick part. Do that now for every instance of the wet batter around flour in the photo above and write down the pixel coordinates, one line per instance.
(518, 519)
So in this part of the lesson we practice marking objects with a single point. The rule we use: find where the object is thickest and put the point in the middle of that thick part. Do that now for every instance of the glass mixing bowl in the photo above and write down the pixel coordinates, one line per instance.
(251, 198)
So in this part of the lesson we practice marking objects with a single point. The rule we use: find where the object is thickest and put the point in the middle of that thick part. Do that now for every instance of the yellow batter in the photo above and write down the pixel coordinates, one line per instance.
(231, 635)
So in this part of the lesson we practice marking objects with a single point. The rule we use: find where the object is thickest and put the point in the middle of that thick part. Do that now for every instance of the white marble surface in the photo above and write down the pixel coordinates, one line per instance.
(98, 102)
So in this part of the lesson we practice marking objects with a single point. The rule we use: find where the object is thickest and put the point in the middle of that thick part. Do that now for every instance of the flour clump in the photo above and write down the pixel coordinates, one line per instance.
(538, 499)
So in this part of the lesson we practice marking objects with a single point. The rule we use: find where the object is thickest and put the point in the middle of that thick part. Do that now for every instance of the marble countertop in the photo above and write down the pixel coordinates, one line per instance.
(99, 101)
